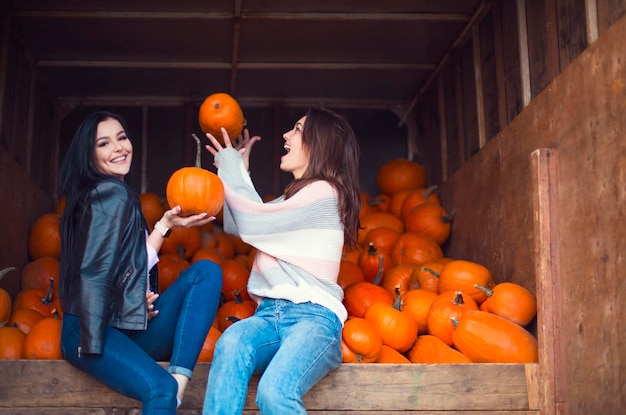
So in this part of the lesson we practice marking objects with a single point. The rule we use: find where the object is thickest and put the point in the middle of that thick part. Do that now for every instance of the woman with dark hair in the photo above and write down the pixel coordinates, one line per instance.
(294, 337)
(115, 324)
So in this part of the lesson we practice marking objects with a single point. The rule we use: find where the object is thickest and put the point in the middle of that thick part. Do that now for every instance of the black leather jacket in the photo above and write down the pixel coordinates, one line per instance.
(109, 279)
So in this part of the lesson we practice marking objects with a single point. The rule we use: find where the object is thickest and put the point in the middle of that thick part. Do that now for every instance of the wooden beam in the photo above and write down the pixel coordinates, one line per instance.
(443, 134)
(480, 12)
(592, 20)
(480, 97)
(523, 52)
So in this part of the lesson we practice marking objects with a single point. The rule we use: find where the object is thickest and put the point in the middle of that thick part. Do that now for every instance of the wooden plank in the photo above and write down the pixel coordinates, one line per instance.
(352, 387)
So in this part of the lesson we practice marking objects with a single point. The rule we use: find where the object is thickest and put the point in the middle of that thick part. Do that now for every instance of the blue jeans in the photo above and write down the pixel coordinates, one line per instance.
(293, 345)
(129, 365)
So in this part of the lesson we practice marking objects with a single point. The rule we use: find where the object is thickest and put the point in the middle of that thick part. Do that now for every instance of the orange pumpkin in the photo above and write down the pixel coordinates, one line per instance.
(391, 355)
(208, 347)
(24, 319)
(429, 219)
(11, 343)
(360, 341)
(233, 311)
(417, 303)
(170, 267)
(487, 338)
(221, 110)
(37, 274)
(358, 297)
(44, 340)
(382, 238)
(349, 273)
(234, 280)
(5, 300)
(398, 278)
(417, 197)
(374, 262)
(194, 189)
(183, 242)
(397, 328)
(44, 302)
(429, 349)
(415, 249)
(400, 174)
(375, 220)
(151, 207)
(44, 237)
(463, 276)
(209, 253)
(447, 306)
(511, 301)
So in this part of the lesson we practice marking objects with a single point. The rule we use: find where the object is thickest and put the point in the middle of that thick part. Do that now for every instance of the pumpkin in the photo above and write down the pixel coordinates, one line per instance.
(234, 280)
(44, 302)
(11, 343)
(194, 189)
(170, 267)
(44, 340)
(24, 319)
(221, 110)
(417, 197)
(240, 246)
(426, 276)
(220, 241)
(208, 347)
(373, 262)
(429, 219)
(151, 207)
(381, 202)
(358, 297)
(429, 349)
(382, 238)
(398, 277)
(44, 237)
(415, 249)
(351, 255)
(5, 299)
(396, 201)
(400, 174)
(487, 338)
(391, 355)
(462, 275)
(510, 301)
(349, 273)
(37, 274)
(208, 253)
(233, 311)
(417, 303)
(397, 328)
(447, 306)
(360, 341)
(375, 220)
(183, 242)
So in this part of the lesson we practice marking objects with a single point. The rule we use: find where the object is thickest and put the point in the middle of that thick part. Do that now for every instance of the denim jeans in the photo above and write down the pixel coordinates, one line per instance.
(292, 345)
(129, 365)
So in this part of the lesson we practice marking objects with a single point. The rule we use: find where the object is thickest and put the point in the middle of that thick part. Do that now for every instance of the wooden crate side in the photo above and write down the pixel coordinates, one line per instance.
(490, 388)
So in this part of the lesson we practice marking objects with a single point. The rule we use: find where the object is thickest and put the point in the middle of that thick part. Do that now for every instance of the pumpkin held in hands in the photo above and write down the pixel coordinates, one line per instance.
(195, 189)
(221, 110)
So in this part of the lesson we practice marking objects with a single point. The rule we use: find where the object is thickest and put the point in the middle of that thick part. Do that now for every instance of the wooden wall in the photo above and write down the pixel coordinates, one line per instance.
(553, 220)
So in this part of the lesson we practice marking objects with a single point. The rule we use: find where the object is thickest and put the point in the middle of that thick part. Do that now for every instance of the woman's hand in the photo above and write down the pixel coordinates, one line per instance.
(243, 144)
(172, 218)
(150, 299)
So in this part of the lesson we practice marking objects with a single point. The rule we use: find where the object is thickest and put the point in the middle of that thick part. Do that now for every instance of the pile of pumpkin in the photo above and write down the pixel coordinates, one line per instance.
(407, 302)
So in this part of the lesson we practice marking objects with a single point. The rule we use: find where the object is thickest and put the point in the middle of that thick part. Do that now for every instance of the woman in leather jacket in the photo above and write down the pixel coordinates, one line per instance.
(116, 326)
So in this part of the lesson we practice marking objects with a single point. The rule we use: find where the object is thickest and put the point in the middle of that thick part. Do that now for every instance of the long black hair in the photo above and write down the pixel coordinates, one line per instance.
(77, 175)
(334, 157)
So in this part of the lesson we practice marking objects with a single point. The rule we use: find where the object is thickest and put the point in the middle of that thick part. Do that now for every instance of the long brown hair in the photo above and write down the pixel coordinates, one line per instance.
(334, 157)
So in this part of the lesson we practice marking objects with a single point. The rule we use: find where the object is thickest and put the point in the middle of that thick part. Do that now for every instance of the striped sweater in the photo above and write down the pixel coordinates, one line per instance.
(299, 241)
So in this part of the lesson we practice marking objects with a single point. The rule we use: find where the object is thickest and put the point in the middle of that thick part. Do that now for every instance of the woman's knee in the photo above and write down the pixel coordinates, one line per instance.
(161, 391)
(207, 272)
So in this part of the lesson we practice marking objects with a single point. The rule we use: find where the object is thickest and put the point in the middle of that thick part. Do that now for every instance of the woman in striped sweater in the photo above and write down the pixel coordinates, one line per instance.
(294, 338)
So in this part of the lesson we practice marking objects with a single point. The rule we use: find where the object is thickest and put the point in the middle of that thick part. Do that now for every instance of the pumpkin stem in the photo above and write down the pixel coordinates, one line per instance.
(371, 250)
(448, 218)
(487, 291)
(432, 271)
(6, 271)
(379, 276)
(198, 152)
(458, 298)
(397, 304)
(233, 319)
(238, 299)
(455, 321)
(428, 191)
(47, 300)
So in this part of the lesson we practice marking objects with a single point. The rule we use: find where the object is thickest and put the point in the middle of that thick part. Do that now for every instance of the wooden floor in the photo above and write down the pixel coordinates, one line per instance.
(29, 387)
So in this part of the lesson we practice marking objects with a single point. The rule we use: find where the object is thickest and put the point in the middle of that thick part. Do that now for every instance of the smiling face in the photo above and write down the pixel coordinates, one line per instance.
(113, 151)
(296, 161)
